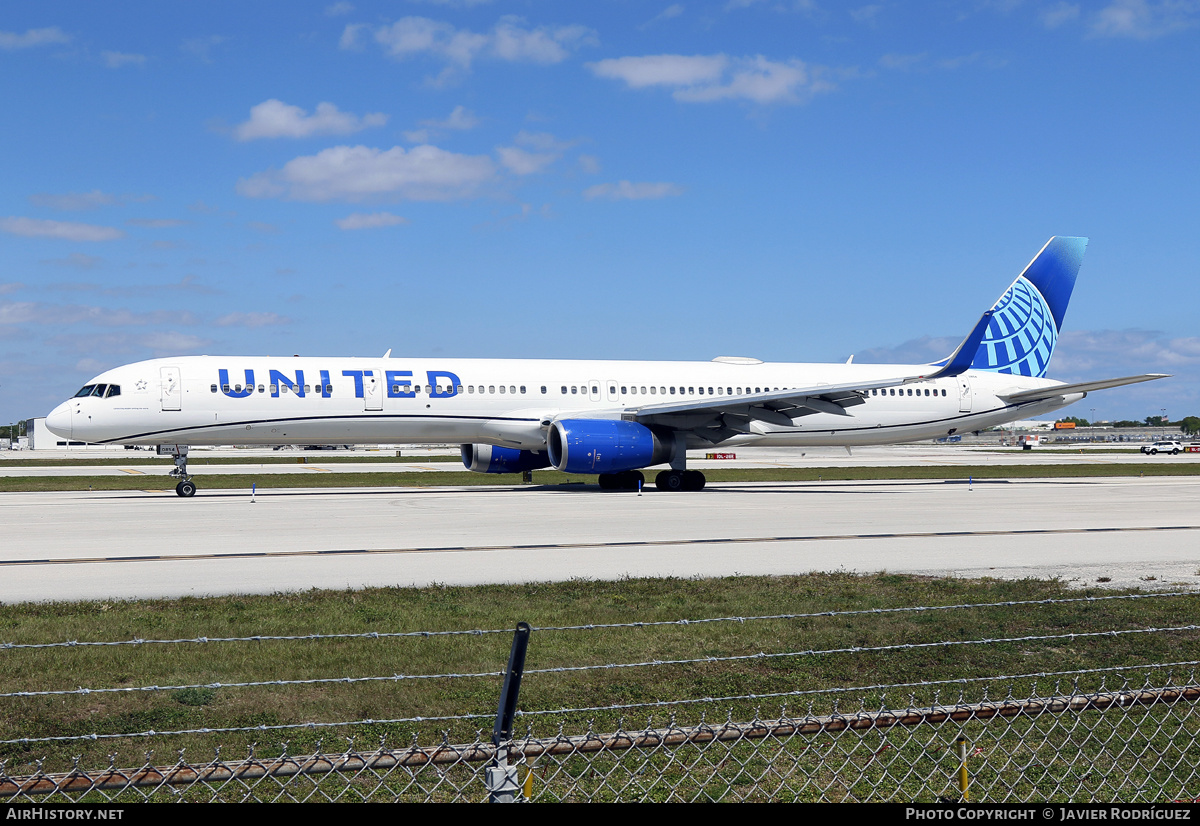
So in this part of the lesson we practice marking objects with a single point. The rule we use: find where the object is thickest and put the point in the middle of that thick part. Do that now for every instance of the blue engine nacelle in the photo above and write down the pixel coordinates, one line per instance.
(492, 459)
(604, 446)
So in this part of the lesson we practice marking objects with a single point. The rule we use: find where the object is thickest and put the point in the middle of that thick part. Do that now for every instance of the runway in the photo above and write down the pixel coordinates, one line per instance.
(317, 462)
(118, 545)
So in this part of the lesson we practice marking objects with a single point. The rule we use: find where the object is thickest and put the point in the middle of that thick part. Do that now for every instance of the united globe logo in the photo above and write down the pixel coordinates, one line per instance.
(1021, 334)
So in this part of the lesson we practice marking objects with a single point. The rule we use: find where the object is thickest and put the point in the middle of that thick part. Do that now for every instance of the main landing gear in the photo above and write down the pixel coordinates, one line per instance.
(186, 487)
(625, 480)
(670, 480)
(676, 480)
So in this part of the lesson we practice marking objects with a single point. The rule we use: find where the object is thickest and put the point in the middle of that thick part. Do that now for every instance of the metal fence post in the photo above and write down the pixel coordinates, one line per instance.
(501, 778)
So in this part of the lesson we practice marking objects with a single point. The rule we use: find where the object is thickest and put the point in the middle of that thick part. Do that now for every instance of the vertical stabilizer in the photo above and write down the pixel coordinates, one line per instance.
(1027, 319)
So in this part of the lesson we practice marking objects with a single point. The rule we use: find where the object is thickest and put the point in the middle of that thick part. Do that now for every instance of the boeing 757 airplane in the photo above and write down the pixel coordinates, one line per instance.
(613, 418)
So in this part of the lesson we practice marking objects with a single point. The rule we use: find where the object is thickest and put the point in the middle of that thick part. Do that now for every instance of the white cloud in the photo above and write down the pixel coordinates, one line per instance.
(662, 70)
(10, 41)
(76, 260)
(541, 45)
(626, 191)
(1133, 350)
(459, 120)
(373, 220)
(759, 80)
(276, 119)
(201, 47)
(866, 14)
(902, 62)
(520, 162)
(1059, 14)
(357, 173)
(339, 9)
(115, 60)
(189, 284)
(1143, 20)
(670, 12)
(73, 201)
(547, 148)
(28, 312)
(63, 230)
(170, 342)
(508, 40)
(349, 39)
(707, 78)
(251, 320)
(11, 287)
(157, 223)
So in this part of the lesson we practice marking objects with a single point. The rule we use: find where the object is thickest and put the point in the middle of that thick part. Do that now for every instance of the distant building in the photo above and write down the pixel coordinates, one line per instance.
(40, 438)
(1027, 424)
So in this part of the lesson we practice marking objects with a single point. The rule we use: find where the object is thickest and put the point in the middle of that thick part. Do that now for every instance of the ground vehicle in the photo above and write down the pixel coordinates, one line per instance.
(1162, 447)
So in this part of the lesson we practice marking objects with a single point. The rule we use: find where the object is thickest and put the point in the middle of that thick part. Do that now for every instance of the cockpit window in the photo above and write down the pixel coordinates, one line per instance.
(86, 390)
(113, 390)
(99, 391)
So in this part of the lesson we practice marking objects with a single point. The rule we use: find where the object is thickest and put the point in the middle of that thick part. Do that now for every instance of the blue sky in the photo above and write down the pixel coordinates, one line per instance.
(795, 181)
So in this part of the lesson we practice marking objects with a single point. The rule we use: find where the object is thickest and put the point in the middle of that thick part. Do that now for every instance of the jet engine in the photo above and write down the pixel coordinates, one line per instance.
(492, 459)
(604, 446)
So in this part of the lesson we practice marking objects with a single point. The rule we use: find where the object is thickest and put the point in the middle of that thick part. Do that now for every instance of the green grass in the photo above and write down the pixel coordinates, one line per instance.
(166, 462)
(266, 481)
(542, 605)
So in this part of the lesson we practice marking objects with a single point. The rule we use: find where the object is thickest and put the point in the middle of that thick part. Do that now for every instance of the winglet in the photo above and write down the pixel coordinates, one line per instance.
(960, 360)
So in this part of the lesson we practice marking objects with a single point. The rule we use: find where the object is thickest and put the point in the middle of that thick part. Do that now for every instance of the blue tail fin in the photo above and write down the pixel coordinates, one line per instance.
(1026, 320)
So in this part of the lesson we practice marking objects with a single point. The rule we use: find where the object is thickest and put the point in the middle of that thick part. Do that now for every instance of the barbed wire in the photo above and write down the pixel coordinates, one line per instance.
(882, 687)
(238, 729)
(594, 626)
(255, 684)
(862, 649)
(959, 681)
(607, 666)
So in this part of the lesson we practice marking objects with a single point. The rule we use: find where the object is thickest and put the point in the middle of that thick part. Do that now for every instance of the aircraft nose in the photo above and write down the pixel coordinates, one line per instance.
(59, 420)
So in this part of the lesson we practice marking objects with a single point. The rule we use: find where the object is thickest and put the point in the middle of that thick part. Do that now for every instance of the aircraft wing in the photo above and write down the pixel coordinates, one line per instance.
(718, 418)
(1082, 387)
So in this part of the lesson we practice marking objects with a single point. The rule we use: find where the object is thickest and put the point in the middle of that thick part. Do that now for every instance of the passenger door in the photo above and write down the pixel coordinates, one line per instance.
(172, 392)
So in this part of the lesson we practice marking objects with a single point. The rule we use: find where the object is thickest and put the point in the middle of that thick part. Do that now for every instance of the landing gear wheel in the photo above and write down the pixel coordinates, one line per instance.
(693, 480)
(186, 488)
(670, 480)
(625, 480)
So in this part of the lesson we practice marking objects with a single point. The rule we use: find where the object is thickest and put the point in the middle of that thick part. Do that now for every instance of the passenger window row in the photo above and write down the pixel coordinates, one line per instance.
(274, 388)
(109, 390)
(907, 391)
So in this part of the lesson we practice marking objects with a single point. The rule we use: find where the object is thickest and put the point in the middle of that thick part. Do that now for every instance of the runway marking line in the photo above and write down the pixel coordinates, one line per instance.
(12, 563)
(135, 472)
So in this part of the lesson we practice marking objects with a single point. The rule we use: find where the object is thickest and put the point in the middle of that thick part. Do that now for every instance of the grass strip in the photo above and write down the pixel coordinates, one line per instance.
(542, 605)
(167, 462)
(267, 481)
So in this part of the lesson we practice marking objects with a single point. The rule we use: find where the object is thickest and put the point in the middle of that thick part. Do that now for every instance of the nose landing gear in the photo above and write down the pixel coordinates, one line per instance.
(186, 487)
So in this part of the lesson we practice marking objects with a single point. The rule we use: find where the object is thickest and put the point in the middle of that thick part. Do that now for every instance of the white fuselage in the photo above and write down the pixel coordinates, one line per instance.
(202, 400)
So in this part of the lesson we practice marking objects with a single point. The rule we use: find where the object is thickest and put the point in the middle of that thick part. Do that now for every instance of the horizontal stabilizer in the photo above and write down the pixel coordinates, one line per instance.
(1082, 387)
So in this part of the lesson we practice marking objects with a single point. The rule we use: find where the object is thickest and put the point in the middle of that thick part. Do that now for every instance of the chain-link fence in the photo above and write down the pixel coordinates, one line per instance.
(1102, 735)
